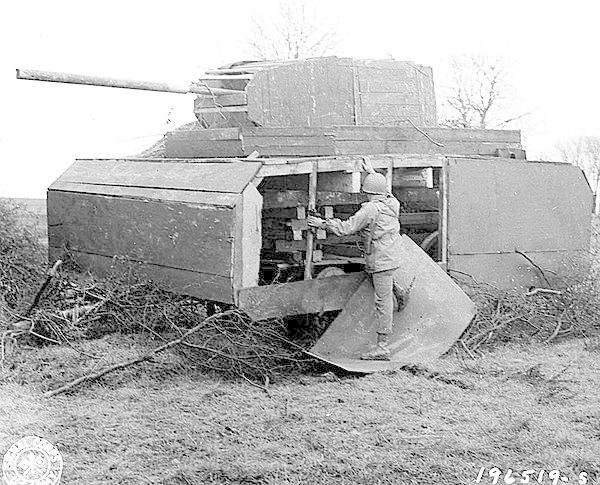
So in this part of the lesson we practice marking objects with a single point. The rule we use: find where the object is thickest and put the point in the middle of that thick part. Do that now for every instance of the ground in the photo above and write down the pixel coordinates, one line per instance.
(520, 407)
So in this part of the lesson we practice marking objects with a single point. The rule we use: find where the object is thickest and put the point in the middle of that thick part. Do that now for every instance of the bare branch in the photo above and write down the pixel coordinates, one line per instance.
(294, 32)
(478, 86)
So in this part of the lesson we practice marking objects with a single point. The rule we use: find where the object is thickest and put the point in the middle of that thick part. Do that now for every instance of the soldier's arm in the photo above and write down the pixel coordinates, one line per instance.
(354, 224)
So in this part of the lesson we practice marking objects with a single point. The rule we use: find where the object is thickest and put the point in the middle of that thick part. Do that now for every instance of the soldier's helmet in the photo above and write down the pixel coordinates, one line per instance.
(375, 183)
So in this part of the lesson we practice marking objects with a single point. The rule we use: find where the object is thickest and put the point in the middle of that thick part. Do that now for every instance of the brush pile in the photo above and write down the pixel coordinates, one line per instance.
(22, 258)
(543, 315)
(76, 307)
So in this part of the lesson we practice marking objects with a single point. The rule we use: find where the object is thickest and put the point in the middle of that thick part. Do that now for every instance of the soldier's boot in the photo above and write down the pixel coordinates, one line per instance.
(381, 351)
(400, 297)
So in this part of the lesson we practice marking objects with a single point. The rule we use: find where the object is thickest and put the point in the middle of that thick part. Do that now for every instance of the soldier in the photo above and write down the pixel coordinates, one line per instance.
(377, 222)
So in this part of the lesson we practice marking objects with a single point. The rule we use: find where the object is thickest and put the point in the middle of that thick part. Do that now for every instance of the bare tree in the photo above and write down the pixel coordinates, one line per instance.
(477, 91)
(584, 152)
(296, 31)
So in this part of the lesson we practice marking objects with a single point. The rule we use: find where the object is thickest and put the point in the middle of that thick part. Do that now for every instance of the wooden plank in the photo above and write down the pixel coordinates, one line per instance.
(409, 177)
(177, 235)
(312, 200)
(285, 246)
(287, 141)
(300, 297)
(417, 199)
(424, 219)
(349, 163)
(205, 177)
(237, 99)
(346, 250)
(278, 149)
(294, 198)
(177, 280)
(356, 96)
(386, 133)
(389, 176)
(327, 181)
(339, 182)
(514, 153)
(221, 109)
(209, 134)
(443, 221)
(187, 146)
(213, 199)
(286, 131)
(251, 237)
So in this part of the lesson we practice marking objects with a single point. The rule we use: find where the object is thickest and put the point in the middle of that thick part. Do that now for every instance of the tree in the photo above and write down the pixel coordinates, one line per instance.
(584, 152)
(476, 94)
(296, 31)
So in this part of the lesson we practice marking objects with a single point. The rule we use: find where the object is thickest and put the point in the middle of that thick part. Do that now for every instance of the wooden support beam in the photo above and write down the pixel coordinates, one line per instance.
(427, 219)
(443, 220)
(312, 202)
(348, 163)
(300, 297)
(389, 175)
(285, 246)
(293, 198)
(339, 182)
(413, 177)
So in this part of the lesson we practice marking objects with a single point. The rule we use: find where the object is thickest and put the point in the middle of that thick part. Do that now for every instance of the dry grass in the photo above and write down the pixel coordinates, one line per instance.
(518, 407)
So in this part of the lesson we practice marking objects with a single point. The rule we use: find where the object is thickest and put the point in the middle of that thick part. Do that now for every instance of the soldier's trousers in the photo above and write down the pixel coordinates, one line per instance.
(383, 282)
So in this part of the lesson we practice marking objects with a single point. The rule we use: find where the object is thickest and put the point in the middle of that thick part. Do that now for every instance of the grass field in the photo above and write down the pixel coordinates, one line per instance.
(518, 407)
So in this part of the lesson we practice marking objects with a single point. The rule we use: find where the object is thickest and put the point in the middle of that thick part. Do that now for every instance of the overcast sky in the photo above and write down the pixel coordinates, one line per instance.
(552, 48)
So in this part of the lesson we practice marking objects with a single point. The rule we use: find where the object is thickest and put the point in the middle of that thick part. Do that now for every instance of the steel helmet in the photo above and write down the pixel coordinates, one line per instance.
(375, 183)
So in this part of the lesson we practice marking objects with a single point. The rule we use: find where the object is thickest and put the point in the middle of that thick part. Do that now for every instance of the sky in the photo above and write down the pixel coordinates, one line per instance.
(550, 46)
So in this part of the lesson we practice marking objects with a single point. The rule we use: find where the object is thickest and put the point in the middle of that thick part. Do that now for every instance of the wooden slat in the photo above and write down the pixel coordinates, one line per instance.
(213, 199)
(207, 177)
(418, 199)
(385, 133)
(200, 285)
(238, 99)
(190, 144)
(300, 297)
(349, 163)
(408, 177)
(210, 134)
(199, 111)
(312, 201)
(429, 219)
(293, 198)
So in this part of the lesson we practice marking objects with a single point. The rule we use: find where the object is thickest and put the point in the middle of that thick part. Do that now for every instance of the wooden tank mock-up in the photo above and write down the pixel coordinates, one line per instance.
(217, 209)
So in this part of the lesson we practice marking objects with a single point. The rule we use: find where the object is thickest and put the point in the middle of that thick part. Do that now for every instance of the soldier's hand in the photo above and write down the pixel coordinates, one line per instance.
(317, 222)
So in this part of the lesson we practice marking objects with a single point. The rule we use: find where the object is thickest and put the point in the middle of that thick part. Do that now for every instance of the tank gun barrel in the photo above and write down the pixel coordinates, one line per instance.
(199, 87)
